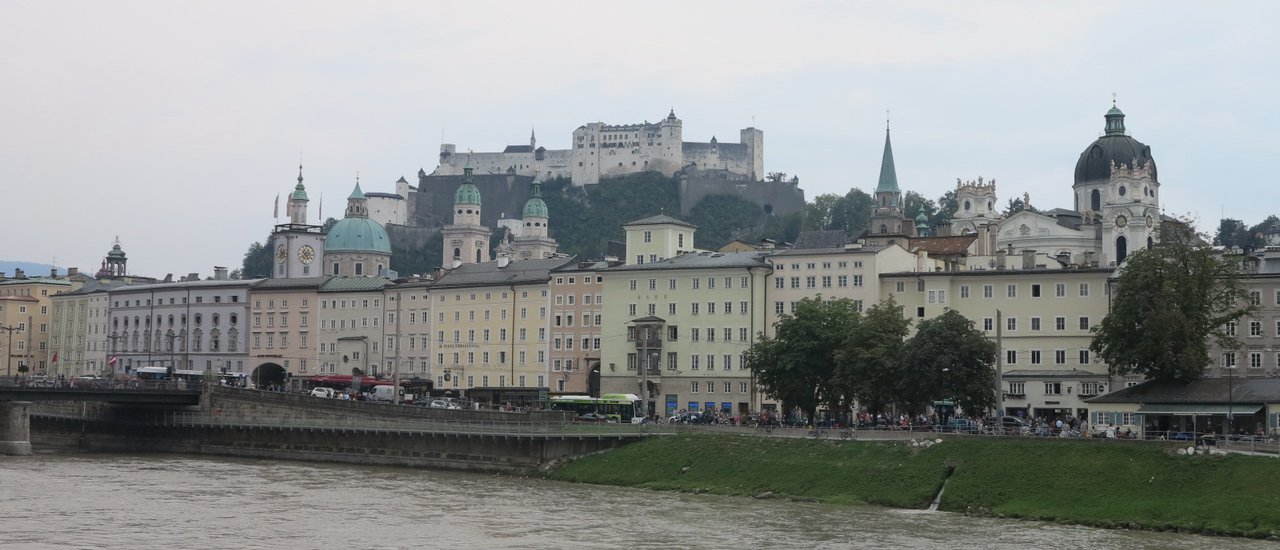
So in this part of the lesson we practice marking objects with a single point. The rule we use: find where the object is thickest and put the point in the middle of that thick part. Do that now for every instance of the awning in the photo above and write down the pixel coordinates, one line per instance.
(1192, 409)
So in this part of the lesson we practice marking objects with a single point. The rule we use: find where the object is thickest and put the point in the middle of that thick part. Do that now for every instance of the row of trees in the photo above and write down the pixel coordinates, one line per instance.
(1233, 233)
(827, 354)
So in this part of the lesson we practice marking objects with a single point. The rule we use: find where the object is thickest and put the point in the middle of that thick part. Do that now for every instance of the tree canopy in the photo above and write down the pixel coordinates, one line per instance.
(949, 358)
(870, 357)
(797, 364)
(1169, 302)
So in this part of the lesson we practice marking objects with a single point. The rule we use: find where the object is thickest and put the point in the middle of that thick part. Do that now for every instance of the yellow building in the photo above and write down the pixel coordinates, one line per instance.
(284, 324)
(408, 314)
(491, 322)
(1044, 317)
(30, 343)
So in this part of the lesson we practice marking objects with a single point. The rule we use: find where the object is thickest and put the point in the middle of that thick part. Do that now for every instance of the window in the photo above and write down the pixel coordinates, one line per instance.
(1084, 357)
(1035, 291)
(633, 284)
(653, 284)
(693, 387)
(1084, 323)
(648, 236)
(857, 280)
(810, 281)
(1059, 356)
(988, 324)
(1017, 388)
(673, 333)
(1255, 329)
(1012, 291)
(1255, 360)
(695, 334)
(900, 286)
(780, 283)
(671, 284)
(1010, 357)
(1035, 323)
(842, 281)
(1060, 323)
(1060, 290)
(964, 292)
(1229, 360)
(937, 296)
(693, 361)
(1035, 357)
(987, 291)
(1231, 328)
(1011, 324)
(1084, 289)
(1053, 388)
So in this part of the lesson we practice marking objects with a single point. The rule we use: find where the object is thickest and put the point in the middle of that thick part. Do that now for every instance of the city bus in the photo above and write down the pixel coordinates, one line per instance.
(162, 373)
(619, 407)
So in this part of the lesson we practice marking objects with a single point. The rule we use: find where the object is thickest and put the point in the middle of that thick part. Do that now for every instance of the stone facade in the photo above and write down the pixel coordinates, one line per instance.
(193, 325)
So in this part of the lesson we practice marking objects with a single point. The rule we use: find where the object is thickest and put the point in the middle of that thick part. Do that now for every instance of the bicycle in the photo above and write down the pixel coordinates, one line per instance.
(818, 433)
(847, 434)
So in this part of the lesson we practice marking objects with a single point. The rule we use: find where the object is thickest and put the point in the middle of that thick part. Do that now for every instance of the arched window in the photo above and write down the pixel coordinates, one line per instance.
(1095, 200)
(216, 319)
(477, 255)
(1122, 246)
(1150, 243)
(457, 253)
(884, 228)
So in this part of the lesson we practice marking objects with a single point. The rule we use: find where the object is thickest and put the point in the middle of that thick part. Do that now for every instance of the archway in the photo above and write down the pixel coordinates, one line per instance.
(593, 380)
(1122, 249)
(1095, 200)
(268, 375)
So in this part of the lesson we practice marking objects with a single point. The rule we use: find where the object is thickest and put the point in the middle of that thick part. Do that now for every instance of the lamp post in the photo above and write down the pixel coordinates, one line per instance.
(113, 337)
(9, 361)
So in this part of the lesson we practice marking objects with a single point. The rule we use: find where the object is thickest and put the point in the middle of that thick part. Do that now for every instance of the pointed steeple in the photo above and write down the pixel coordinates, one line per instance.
(888, 174)
(533, 138)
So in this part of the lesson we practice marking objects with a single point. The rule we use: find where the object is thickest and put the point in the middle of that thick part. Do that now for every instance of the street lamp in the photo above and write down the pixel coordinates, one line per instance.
(9, 361)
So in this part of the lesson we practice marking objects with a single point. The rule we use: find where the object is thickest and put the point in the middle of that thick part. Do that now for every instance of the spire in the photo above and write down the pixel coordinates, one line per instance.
(299, 174)
(888, 175)
(533, 138)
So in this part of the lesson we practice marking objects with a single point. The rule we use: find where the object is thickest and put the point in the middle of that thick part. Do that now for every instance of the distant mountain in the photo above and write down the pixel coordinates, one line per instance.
(8, 267)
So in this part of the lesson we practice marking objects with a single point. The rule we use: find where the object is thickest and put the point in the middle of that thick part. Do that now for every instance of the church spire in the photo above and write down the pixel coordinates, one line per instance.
(888, 174)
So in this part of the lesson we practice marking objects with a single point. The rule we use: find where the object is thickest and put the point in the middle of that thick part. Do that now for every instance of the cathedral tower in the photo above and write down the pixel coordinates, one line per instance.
(298, 245)
(533, 242)
(888, 217)
(466, 240)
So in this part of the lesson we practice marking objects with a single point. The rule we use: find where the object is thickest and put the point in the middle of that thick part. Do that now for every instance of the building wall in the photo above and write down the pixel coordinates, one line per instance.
(685, 299)
(408, 311)
(79, 334)
(851, 274)
(576, 313)
(647, 244)
(1258, 335)
(284, 331)
(492, 336)
(387, 209)
(34, 341)
(351, 332)
(208, 320)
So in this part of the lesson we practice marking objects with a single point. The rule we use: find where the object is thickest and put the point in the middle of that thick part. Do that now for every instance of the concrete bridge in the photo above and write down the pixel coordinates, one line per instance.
(259, 424)
(17, 396)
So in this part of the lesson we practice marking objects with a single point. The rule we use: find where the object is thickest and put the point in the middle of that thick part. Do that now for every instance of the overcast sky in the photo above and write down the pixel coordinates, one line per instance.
(175, 124)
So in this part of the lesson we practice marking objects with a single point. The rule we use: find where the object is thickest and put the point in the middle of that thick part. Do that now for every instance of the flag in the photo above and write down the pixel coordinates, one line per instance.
(277, 210)
(112, 361)
(55, 357)
(321, 215)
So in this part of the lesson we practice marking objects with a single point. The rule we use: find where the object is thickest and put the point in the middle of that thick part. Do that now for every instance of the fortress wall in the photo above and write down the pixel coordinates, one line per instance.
(783, 197)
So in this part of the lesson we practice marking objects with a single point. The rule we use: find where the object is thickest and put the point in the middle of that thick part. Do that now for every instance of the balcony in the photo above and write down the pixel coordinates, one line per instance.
(649, 344)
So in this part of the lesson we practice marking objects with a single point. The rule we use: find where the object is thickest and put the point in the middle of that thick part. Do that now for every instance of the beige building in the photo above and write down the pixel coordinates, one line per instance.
(830, 265)
(352, 333)
(408, 314)
(577, 295)
(1257, 354)
(492, 324)
(31, 342)
(284, 328)
(657, 238)
(79, 328)
(1044, 317)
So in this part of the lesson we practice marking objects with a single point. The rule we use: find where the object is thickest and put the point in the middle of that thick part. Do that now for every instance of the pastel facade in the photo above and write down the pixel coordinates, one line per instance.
(284, 329)
(408, 314)
(192, 325)
(577, 311)
(31, 344)
(352, 333)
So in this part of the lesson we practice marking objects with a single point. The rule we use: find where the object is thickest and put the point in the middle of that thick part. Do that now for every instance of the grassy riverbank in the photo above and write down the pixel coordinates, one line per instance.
(1102, 483)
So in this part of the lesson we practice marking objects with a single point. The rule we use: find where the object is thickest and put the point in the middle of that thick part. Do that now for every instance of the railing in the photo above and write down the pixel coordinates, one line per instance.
(69, 385)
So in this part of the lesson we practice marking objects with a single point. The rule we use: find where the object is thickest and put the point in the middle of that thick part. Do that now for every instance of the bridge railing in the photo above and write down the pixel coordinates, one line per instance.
(421, 425)
(36, 384)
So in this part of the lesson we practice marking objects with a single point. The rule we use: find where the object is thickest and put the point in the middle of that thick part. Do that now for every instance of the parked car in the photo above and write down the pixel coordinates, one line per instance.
(324, 392)
(593, 417)
(1008, 425)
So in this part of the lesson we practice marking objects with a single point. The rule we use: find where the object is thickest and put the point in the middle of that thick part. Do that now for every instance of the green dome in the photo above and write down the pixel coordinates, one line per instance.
(467, 193)
(299, 193)
(357, 235)
(921, 217)
(535, 207)
(116, 252)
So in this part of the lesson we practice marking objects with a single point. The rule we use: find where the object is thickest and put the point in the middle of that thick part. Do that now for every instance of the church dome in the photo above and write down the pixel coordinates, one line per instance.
(1114, 146)
(535, 207)
(357, 235)
(116, 251)
(467, 193)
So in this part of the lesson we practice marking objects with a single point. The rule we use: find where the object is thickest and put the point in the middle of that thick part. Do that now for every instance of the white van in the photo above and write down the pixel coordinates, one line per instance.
(324, 392)
(384, 393)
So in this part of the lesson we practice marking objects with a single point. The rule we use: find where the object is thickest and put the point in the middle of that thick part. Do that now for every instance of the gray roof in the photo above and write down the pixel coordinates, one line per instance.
(518, 149)
(95, 285)
(832, 250)
(385, 195)
(588, 265)
(995, 272)
(1204, 390)
(178, 285)
(291, 284)
(701, 260)
(354, 284)
(659, 219)
(821, 239)
(489, 274)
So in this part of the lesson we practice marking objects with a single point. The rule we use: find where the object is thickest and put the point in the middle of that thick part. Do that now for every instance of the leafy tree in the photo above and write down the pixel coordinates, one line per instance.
(913, 203)
(870, 358)
(796, 366)
(817, 214)
(947, 207)
(328, 224)
(1169, 301)
(257, 260)
(852, 213)
(1012, 207)
(776, 177)
(1231, 233)
(948, 358)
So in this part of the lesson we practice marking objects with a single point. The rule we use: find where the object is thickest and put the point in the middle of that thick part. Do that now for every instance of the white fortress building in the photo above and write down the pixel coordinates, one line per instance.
(599, 150)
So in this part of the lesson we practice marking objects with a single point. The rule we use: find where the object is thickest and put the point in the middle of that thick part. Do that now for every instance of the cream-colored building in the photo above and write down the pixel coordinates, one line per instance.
(408, 314)
(830, 265)
(79, 329)
(577, 310)
(1257, 354)
(31, 343)
(352, 333)
(284, 328)
(1045, 317)
(16, 319)
(657, 238)
(492, 324)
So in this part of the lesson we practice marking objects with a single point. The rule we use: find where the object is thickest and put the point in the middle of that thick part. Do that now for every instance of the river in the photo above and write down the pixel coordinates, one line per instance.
(64, 500)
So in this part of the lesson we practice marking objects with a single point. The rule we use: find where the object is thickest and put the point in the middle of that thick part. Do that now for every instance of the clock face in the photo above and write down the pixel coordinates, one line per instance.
(306, 254)
(282, 253)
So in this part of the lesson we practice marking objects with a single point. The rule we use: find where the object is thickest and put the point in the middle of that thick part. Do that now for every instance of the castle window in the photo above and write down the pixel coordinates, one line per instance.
(1121, 191)
(967, 205)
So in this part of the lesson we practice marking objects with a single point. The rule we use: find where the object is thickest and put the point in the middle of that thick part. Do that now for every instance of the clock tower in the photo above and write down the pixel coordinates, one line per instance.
(297, 245)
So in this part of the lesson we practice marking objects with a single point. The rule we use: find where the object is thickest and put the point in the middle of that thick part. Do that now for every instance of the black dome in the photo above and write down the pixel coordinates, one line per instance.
(1114, 146)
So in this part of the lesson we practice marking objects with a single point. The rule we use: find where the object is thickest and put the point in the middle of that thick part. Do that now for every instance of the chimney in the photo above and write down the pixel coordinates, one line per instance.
(18, 274)
(503, 260)
(1088, 259)
(53, 273)
(219, 273)
(1028, 259)
(1000, 259)
(73, 271)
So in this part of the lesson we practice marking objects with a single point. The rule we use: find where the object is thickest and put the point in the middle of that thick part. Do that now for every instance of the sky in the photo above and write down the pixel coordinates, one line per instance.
(174, 125)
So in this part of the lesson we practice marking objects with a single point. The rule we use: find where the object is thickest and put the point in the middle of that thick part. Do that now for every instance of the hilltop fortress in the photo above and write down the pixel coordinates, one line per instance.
(600, 150)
